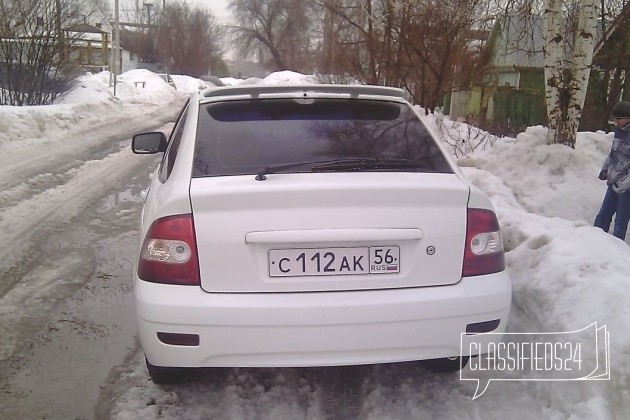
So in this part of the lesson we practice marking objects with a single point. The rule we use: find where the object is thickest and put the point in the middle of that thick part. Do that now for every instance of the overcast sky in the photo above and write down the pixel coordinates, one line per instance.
(217, 7)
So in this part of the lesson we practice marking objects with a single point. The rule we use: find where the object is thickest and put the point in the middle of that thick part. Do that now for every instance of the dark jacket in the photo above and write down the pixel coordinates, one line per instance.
(617, 164)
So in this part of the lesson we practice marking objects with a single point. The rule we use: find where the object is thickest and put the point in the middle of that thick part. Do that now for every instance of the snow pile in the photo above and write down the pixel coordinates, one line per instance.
(190, 85)
(565, 182)
(90, 88)
(21, 125)
(566, 274)
(135, 86)
(285, 77)
(143, 86)
(230, 81)
(289, 77)
(89, 101)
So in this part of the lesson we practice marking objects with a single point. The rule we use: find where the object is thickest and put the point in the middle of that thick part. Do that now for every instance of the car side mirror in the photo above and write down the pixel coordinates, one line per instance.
(149, 143)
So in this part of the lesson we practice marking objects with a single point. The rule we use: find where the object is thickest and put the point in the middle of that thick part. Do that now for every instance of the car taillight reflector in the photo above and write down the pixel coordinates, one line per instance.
(484, 248)
(169, 252)
(178, 339)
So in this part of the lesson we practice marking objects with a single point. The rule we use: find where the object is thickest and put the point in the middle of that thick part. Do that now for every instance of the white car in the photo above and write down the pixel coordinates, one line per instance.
(312, 225)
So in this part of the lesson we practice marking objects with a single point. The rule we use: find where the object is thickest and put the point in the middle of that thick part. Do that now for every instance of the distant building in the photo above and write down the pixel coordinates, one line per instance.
(511, 92)
(510, 95)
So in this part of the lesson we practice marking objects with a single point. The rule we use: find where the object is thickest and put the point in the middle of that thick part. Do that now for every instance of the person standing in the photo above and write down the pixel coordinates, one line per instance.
(616, 173)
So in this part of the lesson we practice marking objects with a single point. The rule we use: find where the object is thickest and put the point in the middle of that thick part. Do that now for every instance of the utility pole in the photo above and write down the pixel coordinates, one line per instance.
(60, 34)
(149, 5)
(116, 54)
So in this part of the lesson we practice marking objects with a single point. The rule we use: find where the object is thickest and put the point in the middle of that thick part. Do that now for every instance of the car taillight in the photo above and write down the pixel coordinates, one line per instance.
(484, 248)
(169, 252)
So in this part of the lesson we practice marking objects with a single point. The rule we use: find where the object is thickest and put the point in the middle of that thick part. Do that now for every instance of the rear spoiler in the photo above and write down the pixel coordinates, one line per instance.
(353, 91)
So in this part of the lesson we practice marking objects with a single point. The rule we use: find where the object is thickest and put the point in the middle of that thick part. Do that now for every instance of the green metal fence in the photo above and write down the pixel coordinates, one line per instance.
(519, 107)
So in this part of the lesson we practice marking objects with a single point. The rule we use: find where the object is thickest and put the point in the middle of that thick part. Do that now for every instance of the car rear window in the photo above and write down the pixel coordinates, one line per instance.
(243, 137)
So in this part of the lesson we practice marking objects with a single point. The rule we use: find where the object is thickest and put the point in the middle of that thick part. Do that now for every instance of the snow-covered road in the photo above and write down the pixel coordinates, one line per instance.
(68, 214)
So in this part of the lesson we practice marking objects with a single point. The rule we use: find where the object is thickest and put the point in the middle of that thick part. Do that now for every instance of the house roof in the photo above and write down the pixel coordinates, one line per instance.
(86, 28)
(517, 41)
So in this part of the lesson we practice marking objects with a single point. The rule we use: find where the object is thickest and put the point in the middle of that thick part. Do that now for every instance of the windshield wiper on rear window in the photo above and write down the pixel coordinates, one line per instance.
(272, 169)
(369, 163)
(348, 164)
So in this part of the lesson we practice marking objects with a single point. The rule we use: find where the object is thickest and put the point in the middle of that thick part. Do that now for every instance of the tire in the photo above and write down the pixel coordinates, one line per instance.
(343, 391)
(165, 375)
(446, 364)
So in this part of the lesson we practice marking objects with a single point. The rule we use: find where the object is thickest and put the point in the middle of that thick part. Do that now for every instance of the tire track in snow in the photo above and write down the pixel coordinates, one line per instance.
(27, 226)
(41, 214)
(33, 186)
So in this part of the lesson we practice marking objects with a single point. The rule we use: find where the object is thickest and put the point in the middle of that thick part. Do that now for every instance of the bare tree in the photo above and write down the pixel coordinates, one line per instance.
(276, 31)
(438, 44)
(464, 139)
(140, 27)
(417, 45)
(188, 39)
(35, 50)
(353, 38)
(610, 77)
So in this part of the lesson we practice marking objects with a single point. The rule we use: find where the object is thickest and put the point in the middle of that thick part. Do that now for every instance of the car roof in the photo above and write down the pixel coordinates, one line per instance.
(213, 79)
(302, 91)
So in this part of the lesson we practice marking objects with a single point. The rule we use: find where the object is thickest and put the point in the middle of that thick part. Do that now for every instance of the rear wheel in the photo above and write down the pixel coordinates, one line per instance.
(343, 391)
(446, 364)
(165, 375)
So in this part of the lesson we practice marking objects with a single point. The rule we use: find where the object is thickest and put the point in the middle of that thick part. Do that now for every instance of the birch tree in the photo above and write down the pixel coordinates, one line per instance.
(568, 59)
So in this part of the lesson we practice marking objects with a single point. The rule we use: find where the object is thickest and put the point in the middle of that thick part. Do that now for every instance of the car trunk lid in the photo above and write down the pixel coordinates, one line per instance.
(329, 231)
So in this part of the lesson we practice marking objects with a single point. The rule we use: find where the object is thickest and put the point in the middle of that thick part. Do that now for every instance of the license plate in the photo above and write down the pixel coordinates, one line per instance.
(334, 261)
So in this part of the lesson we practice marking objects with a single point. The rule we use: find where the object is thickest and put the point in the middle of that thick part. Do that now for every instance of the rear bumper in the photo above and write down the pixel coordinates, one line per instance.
(317, 329)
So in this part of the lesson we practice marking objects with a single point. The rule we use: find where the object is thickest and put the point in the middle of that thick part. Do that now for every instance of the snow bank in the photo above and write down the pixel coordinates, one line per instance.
(90, 102)
(551, 180)
(289, 77)
(566, 274)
